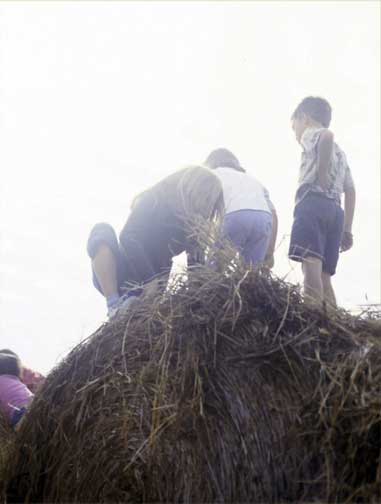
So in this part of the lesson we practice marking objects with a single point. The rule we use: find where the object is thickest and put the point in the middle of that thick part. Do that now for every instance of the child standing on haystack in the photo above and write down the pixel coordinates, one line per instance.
(321, 228)
(158, 228)
(15, 397)
(250, 222)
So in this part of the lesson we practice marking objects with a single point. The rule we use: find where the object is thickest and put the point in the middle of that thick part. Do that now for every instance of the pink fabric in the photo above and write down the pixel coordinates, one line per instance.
(32, 379)
(13, 395)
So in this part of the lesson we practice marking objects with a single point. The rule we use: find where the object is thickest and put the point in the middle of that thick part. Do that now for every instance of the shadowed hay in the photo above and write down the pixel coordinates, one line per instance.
(227, 389)
(6, 446)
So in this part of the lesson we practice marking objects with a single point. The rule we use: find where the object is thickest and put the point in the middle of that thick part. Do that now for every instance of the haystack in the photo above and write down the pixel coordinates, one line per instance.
(226, 389)
(7, 438)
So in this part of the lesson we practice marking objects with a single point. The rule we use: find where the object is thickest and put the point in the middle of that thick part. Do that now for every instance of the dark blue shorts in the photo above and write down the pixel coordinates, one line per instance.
(317, 230)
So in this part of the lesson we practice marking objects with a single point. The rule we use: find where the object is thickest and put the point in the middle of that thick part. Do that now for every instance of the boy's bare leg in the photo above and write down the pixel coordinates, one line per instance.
(313, 285)
(104, 267)
(328, 292)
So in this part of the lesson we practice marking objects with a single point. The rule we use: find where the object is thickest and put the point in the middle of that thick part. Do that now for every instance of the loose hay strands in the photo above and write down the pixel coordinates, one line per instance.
(226, 387)
(7, 437)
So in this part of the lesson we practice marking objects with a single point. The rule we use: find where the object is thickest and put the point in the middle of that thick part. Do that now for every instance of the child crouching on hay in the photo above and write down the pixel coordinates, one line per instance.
(160, 226)
(15, 397)
(250, 222)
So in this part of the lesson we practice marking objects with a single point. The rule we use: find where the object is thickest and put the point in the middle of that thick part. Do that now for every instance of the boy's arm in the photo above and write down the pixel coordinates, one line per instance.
(269, 258)
(324, 155)
(349, 210)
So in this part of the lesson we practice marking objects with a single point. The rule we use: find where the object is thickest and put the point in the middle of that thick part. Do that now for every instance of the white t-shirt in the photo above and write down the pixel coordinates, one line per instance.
(242, 191)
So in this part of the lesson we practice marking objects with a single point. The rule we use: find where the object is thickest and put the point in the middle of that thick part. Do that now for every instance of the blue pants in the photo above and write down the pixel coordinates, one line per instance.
(250, 233)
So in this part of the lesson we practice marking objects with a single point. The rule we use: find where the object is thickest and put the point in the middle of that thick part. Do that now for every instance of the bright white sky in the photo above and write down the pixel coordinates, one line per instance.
(100, 100)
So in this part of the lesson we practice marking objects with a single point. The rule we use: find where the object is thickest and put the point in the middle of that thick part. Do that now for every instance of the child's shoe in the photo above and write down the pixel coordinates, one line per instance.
(124, 303)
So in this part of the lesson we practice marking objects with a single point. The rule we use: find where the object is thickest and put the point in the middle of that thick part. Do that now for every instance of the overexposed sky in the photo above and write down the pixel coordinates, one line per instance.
(99, 100)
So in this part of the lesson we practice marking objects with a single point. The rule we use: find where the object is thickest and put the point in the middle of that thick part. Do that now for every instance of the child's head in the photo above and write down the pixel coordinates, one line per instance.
(10, 363)
(312, 111)
(223, 158)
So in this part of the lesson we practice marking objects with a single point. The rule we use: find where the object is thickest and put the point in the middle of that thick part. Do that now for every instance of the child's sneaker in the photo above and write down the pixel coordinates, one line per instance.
(125, 302)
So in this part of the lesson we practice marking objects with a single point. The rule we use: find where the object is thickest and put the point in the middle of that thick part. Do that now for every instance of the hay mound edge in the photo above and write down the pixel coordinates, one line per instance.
(227, 388)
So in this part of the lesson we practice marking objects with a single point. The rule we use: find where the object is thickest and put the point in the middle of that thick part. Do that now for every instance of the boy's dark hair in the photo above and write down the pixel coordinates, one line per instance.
(315, 107)
(9, 363)
(8, 351)
(223, 157)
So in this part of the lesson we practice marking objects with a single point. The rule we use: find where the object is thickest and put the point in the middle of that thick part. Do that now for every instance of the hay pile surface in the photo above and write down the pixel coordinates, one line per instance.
(7, 443)
(227, 389)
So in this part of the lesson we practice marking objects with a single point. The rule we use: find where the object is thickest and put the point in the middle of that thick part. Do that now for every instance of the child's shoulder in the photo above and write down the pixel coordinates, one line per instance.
(9, 381)
(311, 137)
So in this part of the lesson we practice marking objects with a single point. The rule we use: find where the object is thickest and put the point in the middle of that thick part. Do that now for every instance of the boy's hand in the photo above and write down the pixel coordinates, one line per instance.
(346, 241)
(323, 179)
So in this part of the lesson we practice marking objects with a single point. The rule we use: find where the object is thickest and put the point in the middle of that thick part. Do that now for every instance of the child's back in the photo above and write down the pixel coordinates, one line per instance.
(339, 175)
(242, 191)
(14, 395)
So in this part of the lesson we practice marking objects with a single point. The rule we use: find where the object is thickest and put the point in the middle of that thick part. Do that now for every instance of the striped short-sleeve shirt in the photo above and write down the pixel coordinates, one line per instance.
(339, 173)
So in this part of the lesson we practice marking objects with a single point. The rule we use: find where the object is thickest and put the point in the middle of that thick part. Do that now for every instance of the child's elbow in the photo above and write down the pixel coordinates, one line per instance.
(350, 193)
(350, 190)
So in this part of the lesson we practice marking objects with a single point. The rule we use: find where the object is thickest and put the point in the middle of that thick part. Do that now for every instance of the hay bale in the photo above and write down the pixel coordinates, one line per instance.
(7, 437)
(227, 389)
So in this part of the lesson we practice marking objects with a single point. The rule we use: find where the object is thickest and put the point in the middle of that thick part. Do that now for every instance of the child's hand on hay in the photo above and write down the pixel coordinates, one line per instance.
(269, 261)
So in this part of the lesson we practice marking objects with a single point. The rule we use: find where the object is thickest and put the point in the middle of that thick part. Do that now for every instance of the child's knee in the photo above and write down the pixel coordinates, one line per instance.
(312, 265)
(102, 234)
